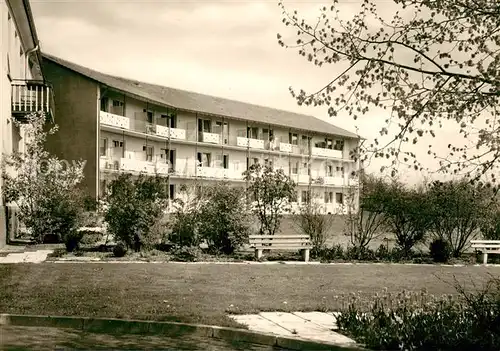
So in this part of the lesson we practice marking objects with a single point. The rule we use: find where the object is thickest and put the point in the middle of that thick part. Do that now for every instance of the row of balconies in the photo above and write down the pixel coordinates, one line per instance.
(126, 123)
(196, 170)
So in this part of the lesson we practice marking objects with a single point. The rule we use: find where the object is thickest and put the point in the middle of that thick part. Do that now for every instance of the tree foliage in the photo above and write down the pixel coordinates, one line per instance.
(312, 221)
(44, 188)
(434, 61)
(458, 210)
(272, 192)
(367, 222)
(223, 220)
(133, 205)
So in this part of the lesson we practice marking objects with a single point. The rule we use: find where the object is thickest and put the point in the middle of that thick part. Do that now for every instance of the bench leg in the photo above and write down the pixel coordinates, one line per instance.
(258, 253)
(305, 255)
(485, 258)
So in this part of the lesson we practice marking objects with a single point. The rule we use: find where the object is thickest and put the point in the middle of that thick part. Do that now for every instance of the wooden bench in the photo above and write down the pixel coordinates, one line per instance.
(281, 242)
(486, 247)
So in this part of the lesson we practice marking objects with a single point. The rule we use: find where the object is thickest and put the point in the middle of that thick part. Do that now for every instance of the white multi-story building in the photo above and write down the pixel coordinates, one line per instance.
(122, 125)
(23, 89)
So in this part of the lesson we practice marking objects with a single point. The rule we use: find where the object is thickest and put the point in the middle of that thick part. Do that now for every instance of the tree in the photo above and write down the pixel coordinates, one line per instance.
(224, 222)
(43, 187)
(458, 209)
(272, 192)
(133, 206)
(407, 214)
(435, 61)
(312, 221)
(367, 222)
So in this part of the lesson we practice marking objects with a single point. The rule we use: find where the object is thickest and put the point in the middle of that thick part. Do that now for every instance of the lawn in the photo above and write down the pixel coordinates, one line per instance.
(205, 293)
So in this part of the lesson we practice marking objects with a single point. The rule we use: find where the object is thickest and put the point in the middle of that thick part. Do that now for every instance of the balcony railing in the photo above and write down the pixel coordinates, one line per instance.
(136, 166)
(318, 151)
(30, 96)
(191, 134)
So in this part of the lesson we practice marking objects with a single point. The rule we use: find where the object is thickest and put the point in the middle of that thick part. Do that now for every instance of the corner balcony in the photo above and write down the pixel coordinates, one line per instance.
(318, 151)
(249, 142)
(212, 138)
(31, 96)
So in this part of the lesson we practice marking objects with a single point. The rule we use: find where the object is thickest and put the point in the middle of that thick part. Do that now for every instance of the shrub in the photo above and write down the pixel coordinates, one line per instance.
(311, 221)
(336, 252)
(359, 253)
(120, 250)
(383, 253)
(72, 240)
(186, 253)
(440, 250)
(418, 321)
(133, 206)
(41, 185)
(224, 220)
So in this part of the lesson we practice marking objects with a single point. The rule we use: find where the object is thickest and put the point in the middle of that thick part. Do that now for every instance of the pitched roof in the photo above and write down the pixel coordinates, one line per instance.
(195, 102)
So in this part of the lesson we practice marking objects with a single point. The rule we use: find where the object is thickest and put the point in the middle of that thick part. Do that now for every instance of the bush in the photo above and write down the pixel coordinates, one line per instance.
(418, 321)
(183, 222)
(440, 250)
(383, 253)
(225, 224)
(186, 253)
(336, 252)
(72, 240)
(359, 253)
(120, 250)
(311, 221)
(132, 206)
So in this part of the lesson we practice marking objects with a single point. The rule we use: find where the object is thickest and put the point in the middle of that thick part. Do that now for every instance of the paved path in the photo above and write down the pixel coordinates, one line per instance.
(316, 326)
(34, 338)
(37, 256)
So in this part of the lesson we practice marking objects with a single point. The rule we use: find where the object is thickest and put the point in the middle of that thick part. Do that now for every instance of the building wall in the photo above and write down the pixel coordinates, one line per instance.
(76, 111)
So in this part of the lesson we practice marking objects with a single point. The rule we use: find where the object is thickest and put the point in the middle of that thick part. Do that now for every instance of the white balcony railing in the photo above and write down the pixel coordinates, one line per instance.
(219, 173)
(113, 120)
(249, 142)
(339, 181)
(303, 178)
(318, 151)
(174, 133)
(28, 96)
(212, 138)
(285, 147)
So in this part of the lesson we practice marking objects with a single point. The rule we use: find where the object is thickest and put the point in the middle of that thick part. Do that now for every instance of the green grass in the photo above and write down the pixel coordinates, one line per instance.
(205, 293)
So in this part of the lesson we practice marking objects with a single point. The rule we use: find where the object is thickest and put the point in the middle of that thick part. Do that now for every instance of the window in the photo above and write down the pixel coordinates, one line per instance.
(305, 196)
(329, 170)
(171, 191)
(103, 146)
(117, 103)
(329, 143)
(339, 145)
(204, 159)
(305, 168)
(149, 152)
(253, 132)
(328, 197)
(295, 167)
(104, 104)
(339, 198)
(149, 116)
(117, 143)
(225, 161)
(340, 171)
(293, 138)
(171, 119)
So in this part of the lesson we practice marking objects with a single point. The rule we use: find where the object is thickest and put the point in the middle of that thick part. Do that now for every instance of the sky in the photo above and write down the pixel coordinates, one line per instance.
(221, 48)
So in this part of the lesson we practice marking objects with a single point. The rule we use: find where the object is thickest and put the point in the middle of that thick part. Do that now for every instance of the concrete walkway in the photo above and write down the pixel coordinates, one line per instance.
(37, 256)
(317, 326)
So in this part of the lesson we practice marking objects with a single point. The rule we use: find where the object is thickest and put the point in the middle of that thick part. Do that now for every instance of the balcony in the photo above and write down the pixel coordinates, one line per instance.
(113, 120)
(220, 173)
(338, 181)
(173, 133)
(249, 142)
(318, 151)
(211, 138)
(285, 147)
(30, 96)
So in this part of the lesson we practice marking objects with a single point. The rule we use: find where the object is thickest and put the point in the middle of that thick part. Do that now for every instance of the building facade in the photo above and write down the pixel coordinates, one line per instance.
(120, 125)
(23, 89)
